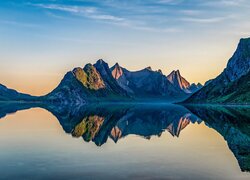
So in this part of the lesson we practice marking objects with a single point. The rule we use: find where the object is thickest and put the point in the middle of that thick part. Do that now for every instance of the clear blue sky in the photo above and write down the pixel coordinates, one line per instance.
(40, 40)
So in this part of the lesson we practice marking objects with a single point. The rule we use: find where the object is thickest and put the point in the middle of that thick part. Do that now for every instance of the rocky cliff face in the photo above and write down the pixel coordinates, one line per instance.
(181, 83)
(232, 83)
(177, 80)
(89, 77)
(239, 64)
(117, 73)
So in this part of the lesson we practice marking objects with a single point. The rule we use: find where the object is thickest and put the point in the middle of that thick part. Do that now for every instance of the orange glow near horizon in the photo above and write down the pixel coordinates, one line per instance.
(38, 83)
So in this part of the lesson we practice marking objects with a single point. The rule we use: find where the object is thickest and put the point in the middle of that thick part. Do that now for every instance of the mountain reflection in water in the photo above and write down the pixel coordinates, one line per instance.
(97, 123)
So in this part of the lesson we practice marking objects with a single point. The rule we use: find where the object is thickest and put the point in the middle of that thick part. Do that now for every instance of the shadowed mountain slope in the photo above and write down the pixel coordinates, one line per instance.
(233, 84)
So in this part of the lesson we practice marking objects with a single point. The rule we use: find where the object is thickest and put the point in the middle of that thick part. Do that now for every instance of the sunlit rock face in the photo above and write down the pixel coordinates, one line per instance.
(233, 84)
(181, 83)
(89, 77)
(177, 80)
(117, 71)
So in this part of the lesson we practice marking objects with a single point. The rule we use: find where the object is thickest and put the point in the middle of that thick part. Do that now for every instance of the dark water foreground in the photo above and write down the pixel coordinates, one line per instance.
(140, 141)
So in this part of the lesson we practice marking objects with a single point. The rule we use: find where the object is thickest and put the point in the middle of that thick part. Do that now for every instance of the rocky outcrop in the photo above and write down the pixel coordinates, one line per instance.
(89, 77)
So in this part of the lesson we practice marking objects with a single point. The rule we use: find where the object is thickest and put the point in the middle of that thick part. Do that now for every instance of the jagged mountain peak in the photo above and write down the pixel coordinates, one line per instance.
(177, 80)
(148, 68)
(89, 65)
(102, 67)
(110, 82)
(117, 71)
(175, 74)
(117, 64)
(199, 85)
(160, 71)
(239, 64)
(181, 83)
(100, 61)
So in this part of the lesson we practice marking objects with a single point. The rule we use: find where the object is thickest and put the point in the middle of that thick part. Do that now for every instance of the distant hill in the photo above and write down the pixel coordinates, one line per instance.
(7, 94)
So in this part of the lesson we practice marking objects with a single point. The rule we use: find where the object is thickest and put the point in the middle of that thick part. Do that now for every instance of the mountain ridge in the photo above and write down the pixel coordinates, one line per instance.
(145, 82)
(7, 94)
(233, 84)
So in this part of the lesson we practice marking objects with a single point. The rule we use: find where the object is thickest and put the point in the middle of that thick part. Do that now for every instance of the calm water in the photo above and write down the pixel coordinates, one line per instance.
(124, 142)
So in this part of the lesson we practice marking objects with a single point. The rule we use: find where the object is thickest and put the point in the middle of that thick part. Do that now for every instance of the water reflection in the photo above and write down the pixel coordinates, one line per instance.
(98, 123)
(233, 123)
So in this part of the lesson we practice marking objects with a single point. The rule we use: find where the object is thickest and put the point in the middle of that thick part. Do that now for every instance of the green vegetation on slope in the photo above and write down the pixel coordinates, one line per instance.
(235, 92)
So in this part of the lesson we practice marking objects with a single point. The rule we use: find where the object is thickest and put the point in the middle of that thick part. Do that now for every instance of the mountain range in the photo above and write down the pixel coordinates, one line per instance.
(99, 82)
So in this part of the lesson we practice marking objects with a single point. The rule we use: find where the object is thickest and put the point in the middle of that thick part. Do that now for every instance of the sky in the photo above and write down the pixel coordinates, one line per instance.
(40, 40)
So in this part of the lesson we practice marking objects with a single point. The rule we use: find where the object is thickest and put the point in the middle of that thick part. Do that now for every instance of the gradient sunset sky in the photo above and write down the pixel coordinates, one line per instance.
(40, 40)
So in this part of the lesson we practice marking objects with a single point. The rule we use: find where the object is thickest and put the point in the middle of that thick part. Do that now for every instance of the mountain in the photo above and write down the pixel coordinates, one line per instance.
(145, 83)
(109, 81)
(181, 83)
(233, 84)
(83, 85)
(7, 94)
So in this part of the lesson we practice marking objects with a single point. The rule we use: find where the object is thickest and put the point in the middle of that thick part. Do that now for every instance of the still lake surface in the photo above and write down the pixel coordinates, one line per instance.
(111, 141)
